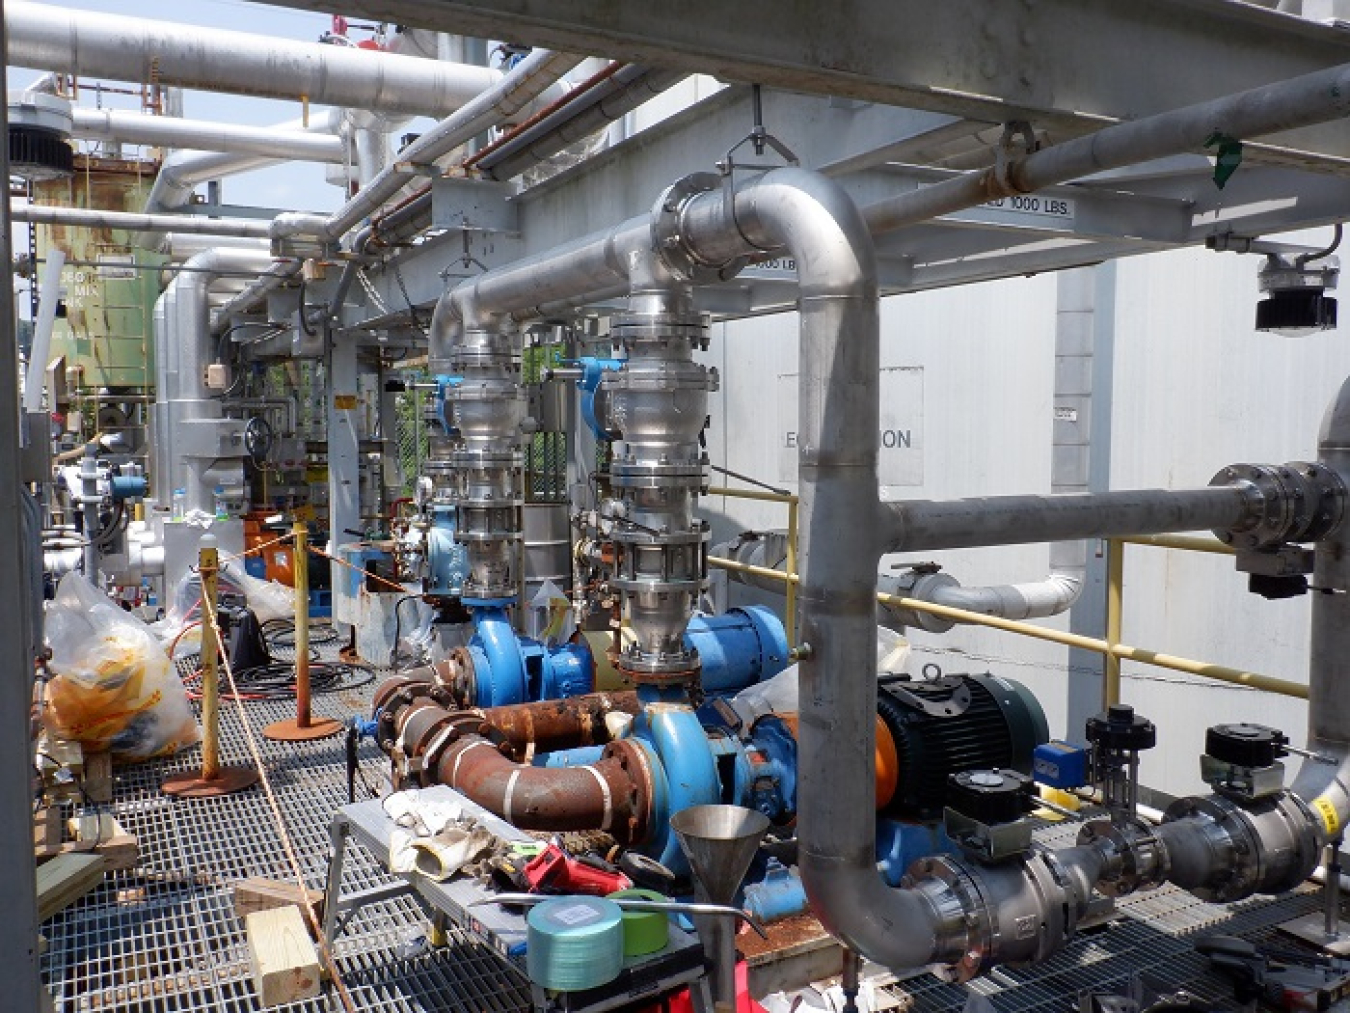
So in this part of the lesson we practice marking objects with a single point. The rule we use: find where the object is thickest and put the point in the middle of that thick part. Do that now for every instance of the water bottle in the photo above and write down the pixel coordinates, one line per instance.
(222, 505)
(179, 505)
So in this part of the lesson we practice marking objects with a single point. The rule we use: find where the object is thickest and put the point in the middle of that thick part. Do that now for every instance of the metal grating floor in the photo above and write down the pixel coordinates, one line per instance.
(163, 938)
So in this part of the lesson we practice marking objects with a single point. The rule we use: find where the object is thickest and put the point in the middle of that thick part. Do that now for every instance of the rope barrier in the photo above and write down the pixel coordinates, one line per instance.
(325, 947)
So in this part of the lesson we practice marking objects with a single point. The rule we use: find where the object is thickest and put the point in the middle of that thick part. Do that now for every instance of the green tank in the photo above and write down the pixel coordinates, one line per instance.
(109, 285)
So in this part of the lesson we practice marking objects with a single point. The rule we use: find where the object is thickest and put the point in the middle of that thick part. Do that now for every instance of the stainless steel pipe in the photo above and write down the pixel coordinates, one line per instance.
(917, 525)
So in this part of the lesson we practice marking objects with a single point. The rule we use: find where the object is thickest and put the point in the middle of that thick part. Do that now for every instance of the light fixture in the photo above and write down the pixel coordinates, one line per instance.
(1296, 302)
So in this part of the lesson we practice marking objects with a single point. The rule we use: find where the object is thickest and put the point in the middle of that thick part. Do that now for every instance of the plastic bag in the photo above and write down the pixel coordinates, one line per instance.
(266, 598)
(113, 686)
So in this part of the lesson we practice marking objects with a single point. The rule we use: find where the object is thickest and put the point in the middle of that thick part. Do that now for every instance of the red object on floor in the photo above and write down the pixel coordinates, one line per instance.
(681, 1003)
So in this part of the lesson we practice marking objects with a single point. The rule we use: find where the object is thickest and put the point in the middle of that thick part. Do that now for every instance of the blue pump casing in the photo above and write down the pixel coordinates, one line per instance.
(447, 559)
(125, 487)
(509, 668)
(738, 648)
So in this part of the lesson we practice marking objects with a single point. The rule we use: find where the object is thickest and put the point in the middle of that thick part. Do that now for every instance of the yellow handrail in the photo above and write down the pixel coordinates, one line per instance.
(1205, 670)
(792, 501)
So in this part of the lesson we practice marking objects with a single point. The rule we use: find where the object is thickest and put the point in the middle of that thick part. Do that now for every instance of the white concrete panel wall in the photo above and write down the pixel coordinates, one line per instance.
(1195, 388)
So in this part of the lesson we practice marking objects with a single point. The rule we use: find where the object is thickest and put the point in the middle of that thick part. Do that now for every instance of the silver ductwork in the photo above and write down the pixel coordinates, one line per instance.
(182, 171)
(196, 449)
(88, 44)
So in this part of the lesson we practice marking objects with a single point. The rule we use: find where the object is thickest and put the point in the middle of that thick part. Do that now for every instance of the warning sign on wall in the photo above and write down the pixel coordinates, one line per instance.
(899, 435)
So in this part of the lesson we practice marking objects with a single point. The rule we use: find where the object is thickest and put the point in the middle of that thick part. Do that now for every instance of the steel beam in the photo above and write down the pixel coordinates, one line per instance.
(1068, 65)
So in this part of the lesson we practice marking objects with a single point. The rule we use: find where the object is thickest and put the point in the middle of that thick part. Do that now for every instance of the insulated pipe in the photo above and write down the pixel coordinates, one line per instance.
(522, 84)
(40, 214)
(119, 125)
(914, 525)
(183, 348)
(183, 170)
(628, 91)
(274, 277)
(88, 44)
(551, 725)
(599, 796)
(1029, 600)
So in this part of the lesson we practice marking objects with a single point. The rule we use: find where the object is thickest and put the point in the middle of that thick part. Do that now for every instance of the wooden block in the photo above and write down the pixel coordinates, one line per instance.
(119, 849)
(282, 957)
(259, 894)
(65, 879)
(94, 828)
(47, 828)
(98, 777)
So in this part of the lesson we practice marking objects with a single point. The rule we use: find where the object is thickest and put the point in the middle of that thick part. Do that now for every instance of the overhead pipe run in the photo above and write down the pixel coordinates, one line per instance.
(41, 214)
(124, 127)
(525, 82)
(89, 44)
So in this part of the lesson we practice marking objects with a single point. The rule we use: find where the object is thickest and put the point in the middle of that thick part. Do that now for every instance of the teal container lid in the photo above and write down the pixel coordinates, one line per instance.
(574, 943)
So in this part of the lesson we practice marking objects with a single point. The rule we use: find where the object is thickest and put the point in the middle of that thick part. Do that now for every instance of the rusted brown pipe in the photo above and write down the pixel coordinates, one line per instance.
(608, 795)
(551, 725)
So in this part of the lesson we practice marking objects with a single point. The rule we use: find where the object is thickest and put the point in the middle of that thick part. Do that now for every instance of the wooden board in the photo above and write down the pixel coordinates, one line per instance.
(282, 957)
(259, 894)
(106, 837)
(98, 777)
(65, 879)
(47, 828)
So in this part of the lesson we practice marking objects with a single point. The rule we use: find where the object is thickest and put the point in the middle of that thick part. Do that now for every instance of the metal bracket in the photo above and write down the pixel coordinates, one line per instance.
(1003, 153)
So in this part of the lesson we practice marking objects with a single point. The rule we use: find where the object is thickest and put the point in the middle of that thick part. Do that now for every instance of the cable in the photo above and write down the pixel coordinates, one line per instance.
(304, 320)
(276, 682)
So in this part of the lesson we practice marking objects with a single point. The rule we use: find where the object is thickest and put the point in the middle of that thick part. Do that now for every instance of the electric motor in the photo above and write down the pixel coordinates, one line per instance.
(951, 724)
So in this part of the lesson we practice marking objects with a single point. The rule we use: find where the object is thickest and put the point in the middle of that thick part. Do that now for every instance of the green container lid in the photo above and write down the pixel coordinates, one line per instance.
(643, 931)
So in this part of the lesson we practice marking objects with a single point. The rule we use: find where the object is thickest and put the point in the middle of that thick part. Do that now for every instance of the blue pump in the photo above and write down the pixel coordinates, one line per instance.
(738, 648)
(513, 669)
(447, 559)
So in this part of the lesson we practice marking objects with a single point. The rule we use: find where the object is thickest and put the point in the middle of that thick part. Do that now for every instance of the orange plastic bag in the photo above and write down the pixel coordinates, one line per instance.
(113, 686)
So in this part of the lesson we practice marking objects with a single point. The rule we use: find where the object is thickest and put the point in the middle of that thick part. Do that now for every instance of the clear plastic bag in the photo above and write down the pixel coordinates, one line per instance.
(113, 686)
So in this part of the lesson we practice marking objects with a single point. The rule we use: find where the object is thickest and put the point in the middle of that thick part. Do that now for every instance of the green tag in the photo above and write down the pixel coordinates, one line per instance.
(1228, 158)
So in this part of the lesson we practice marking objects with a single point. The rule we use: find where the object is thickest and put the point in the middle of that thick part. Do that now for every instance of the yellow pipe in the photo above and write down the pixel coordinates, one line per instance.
(1221, 673)
(1115, 582)
(1188, 543)
(766, 496)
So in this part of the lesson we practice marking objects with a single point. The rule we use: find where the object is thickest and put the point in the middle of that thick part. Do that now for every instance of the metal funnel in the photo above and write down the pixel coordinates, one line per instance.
(720, 842)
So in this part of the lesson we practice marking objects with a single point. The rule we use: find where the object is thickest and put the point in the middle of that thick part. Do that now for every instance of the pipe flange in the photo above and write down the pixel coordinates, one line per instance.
(1135, 858)
(661, 328)
(636, 764)
(1294, 502)
(668, 229)
(976, 920)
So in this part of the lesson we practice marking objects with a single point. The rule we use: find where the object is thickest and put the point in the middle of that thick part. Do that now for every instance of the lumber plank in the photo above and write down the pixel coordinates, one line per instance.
(260, 894)
(283, 960)
(65, 879)
(104, 837)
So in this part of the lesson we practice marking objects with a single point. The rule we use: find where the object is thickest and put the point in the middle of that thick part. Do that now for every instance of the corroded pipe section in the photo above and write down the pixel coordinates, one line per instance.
(560, 724)
(600, 796)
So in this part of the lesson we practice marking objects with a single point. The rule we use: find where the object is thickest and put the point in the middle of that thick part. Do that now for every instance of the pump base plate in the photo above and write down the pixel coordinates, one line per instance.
(290, 731)
(190, 784)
